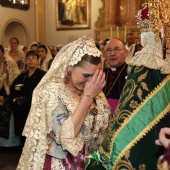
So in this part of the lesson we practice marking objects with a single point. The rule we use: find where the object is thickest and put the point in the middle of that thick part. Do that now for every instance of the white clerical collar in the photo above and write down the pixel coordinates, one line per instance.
(113, 69)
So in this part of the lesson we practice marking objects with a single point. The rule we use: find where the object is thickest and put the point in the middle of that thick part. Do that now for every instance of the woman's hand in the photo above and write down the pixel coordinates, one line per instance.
(96, 84)
(163, 140)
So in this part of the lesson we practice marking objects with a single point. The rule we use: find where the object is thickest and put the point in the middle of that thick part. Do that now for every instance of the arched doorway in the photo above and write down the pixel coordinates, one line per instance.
(15, 28)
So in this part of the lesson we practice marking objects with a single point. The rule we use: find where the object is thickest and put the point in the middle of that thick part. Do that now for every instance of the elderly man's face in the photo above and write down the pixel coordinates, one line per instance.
(115, 53)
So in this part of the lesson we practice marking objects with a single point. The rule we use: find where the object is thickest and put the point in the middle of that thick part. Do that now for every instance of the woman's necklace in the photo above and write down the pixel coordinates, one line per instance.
(114, 81)
(78, 94)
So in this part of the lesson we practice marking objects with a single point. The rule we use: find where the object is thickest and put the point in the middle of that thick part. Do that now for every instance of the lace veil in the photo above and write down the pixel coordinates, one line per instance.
(13, 72)
(36, 43)
(38, 124)
(44, 65)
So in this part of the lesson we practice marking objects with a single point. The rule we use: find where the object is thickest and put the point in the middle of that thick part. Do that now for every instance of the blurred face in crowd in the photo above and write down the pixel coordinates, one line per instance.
(34, 47)
(130, 40)
(32, 61)
(13, 43)
(1, 54)
(42, 53)
(102, 49)
(115, 53)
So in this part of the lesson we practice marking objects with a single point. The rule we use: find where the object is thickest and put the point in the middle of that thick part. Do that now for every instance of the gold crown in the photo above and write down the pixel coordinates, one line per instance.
(154, 15)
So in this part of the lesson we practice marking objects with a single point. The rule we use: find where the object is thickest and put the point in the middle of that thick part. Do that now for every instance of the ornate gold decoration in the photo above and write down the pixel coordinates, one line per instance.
(100, 23)
(168, 32)
(154, 16)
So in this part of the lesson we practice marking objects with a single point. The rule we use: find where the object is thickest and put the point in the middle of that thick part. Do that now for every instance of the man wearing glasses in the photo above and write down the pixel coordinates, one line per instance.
(116, 73)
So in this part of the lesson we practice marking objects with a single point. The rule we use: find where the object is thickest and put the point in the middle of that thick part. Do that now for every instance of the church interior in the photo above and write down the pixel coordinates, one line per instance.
(38, 20)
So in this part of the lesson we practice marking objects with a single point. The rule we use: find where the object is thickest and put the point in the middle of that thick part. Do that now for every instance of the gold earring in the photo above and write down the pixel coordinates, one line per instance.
(67, 77)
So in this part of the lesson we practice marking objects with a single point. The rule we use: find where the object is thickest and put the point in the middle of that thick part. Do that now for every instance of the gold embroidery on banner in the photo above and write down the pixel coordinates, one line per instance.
(114, 135)
(126, 164)
(129, 94)
(120, 116)
(162, 166)
(147, 129)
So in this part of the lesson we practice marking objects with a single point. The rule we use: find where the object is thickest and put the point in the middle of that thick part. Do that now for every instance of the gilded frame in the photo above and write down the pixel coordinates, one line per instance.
(73, 14)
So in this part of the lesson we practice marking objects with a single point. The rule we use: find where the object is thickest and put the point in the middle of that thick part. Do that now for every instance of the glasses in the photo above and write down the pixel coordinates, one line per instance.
(32, 57)
(115, 50)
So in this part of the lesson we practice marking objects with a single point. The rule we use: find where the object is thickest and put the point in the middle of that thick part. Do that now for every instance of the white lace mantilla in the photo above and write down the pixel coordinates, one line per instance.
(36, 128)
(45, 95)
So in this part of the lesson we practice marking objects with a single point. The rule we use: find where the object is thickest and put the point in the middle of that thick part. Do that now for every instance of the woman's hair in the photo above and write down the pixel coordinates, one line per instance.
(44, 47)
(2, 48)
(31, 53)
(34, 45)
(15, 39)
(90, 59)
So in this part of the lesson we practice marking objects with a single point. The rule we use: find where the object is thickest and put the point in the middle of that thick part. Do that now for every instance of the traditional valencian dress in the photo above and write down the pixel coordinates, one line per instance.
(143, 109)
(49, 130)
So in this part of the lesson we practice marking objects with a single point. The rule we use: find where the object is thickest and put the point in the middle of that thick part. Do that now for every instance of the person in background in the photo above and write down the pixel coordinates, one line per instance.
(23, 48)
(16, 53)
(9, 72)
(21, 91)
(69, 111)
(45, 56)
(116, 73)
(2, 51)
(33, 46)
(102, 45)
(53, 50)
(130, 39)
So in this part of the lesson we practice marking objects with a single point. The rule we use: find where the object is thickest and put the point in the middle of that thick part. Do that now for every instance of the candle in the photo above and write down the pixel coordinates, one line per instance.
(117, 31)
(125, 33)
(111, 32)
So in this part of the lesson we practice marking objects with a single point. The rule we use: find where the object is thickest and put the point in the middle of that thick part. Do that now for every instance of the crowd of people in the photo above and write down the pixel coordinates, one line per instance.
(21, 69)
(90, 105)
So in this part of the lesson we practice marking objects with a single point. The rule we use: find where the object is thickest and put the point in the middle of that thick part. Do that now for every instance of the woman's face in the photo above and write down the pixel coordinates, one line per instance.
(80, 75)
(42, 53)
(13, 44)
(1, 54)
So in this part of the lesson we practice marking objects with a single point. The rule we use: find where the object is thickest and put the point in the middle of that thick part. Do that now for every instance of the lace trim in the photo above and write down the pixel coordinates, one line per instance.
(56, 164)
(151, 55)
(38, 123)
(68, 142)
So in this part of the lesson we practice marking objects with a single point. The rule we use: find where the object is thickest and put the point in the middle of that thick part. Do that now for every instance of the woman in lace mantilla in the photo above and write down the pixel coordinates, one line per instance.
(68, 112)
(9, 72)
(15, 52)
